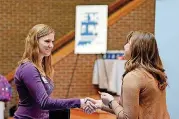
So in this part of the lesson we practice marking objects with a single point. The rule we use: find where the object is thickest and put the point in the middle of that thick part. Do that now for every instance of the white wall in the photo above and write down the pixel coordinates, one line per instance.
(167, 35)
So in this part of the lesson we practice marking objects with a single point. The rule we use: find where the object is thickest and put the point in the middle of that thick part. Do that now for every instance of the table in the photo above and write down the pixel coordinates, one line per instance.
(108, 73)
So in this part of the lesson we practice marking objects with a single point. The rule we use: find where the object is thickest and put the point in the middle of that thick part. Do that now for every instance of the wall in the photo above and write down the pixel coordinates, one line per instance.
(167, 35)
(19, 16)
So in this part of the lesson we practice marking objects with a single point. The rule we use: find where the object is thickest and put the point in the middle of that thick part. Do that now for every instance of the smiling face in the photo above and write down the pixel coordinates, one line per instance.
(46, 45)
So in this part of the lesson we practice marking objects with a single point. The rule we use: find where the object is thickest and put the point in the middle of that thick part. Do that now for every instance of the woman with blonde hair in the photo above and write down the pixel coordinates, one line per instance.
(144, 82)
(33, 78)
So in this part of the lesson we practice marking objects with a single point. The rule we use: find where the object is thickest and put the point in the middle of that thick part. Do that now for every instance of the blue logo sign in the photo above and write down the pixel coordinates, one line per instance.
(88, 28)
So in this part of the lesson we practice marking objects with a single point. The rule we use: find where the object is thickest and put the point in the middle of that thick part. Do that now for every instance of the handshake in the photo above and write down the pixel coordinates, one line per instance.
(90, 105)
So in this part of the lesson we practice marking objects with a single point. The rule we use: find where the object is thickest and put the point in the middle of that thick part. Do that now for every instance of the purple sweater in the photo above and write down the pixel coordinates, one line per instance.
(34, 91)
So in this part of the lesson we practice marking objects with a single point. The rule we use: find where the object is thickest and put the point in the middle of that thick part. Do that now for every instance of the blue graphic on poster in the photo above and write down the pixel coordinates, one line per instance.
(88, 29)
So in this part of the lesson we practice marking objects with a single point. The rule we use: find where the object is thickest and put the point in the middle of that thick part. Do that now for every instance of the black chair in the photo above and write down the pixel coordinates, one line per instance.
(12, 110)
(60, 114)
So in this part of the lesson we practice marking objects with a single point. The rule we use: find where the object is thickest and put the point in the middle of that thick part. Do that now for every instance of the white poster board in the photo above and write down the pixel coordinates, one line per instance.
(91, 29)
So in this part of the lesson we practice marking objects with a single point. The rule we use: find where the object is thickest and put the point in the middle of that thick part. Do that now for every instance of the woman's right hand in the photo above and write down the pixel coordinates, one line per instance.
(106, 98)
(95, 103)
(98, 103)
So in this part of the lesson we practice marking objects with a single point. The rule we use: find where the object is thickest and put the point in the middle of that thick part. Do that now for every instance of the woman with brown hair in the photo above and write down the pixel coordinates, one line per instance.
(144, 82)
(33, 78)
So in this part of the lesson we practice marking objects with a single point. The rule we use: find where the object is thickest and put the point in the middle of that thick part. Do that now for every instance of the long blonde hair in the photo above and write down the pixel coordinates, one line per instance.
(145, 54)
(31, 52)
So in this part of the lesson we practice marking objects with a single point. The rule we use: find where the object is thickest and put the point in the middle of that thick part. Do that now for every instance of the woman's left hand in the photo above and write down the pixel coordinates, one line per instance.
(106, 98)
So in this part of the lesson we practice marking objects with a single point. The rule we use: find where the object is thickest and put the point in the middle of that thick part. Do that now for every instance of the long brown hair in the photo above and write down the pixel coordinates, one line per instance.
(31, 52)
(145, 54)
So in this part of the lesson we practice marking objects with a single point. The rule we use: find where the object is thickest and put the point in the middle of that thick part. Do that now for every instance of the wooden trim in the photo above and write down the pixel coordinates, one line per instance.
(63, 52)
(116, 5)
(124, 11)
(64, 40)
(10, 75)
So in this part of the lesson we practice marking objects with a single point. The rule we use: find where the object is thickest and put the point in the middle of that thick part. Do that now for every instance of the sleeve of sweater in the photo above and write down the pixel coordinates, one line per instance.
(32, 80)
(130, 97)
(107, 109)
